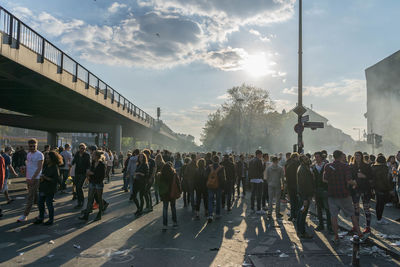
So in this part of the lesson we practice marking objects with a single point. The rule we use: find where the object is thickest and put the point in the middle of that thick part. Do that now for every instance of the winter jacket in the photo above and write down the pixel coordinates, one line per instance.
(291, 167)
(229, 170)
(305, 182)
(381, 178)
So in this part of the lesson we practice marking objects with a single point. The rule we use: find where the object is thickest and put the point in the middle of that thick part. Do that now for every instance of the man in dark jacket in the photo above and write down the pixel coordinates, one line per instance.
(230, 179)
(190, 176)
(82, 165)
(291, 167)
(215, 192)
(256, 169)
(321, 192)
(305, 189)
(241, 171)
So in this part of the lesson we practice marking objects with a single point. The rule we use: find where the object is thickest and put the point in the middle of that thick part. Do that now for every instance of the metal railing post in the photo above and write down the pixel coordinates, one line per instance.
(112, 96)
(75, 76)
(119, 100)
(88, 80)
(10, 30)
(105, 92)
(18, 34)
(98, 86)
(42, 53)
(60, 68)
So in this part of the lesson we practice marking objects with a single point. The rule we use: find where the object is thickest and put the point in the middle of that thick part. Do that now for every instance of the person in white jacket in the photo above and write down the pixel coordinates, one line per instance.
(275, 176)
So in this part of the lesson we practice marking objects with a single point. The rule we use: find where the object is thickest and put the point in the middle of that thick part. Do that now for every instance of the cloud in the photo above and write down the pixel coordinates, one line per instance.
(352, 90)
(164, 34)
(283, 104)
(258, 34)
(115, 7)
(48, 24)
(228, 59)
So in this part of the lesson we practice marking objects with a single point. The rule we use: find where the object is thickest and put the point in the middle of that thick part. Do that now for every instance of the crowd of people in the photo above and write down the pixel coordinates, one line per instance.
(210, 182)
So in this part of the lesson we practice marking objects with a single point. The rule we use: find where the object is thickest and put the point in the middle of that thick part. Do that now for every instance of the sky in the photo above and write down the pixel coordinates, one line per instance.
(182, 55)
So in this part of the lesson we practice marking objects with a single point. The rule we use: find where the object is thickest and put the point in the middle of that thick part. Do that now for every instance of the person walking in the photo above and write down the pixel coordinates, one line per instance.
(215, 183)
(265, 191)
(125, 173)
(241, 174)
(321, 193)
(109, 163)
(361, 173)
(82, 165)
(131, 170)
(201, 188)
(256, 169)
(141, 174)
(274, 179)
(96, 175)
(189, 180)
(159, 165)
(338, 176)
(305, 189)
(291, 167)
(168, 179)
(34, 165)
(8, 168)
(381, 175)
(49, 180)
(230, 180)
(66, 167)
(149, 181)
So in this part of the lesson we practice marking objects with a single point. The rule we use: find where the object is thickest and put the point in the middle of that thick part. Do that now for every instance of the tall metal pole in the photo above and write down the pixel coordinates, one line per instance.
(300, 79)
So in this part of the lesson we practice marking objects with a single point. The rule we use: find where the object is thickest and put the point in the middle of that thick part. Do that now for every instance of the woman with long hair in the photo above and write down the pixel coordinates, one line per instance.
(361, 173)
(96, 176)
(48, 185)
(141, 174)
(167, 177)
(200, 185)
(159, 165)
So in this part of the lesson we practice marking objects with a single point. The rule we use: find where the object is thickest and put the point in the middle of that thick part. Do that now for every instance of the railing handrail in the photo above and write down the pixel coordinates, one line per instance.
(126, 103)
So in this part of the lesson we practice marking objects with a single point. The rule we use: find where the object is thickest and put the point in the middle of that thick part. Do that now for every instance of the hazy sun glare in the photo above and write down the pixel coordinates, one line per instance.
(257, 65)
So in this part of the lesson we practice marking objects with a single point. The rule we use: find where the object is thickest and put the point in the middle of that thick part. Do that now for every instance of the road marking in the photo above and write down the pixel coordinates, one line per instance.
(35, 238)
(6, 244)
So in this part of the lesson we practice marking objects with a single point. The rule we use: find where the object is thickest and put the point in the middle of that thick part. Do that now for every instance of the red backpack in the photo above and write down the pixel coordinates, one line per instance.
(2, 172)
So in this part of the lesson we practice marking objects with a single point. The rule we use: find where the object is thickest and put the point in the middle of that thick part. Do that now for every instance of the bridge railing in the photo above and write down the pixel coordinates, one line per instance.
(21, 34)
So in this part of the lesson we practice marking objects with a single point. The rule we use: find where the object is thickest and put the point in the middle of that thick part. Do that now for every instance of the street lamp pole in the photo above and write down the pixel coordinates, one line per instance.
(359, 133)
(300, 80)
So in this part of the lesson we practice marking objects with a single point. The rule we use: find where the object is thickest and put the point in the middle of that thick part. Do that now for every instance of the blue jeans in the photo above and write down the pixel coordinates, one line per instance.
(256, 192)
(126, 181)
(131, 180)
(64, 174)
(48, 198)
(165, 211)
(211, 194)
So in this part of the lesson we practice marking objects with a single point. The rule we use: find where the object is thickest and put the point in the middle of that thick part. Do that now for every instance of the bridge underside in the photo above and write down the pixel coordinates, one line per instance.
(55, 108)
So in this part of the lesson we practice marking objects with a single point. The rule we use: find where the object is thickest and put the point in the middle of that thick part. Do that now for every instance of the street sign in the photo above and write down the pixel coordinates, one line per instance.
(299, 110)
(313, 125)
(299, 128)
(305, 118)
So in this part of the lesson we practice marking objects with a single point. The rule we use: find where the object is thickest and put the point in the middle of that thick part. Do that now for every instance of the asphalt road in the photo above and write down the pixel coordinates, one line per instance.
(119, 239)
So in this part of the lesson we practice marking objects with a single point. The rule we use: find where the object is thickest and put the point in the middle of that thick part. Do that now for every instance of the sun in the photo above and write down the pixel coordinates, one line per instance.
(257, 65)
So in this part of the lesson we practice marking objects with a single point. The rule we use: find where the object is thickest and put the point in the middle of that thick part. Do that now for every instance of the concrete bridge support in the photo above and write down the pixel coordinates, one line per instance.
(52, 139)
(116, 138)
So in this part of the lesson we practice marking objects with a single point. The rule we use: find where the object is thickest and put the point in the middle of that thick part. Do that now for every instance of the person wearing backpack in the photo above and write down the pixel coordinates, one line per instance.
(168, 181)
(215, 182)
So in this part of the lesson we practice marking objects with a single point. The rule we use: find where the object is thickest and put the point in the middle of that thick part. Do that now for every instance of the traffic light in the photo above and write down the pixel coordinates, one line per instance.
(378, 140)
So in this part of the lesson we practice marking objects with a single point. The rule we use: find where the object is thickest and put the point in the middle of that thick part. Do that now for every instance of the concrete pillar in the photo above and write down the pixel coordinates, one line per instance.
(116, 139)
(52, 139)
